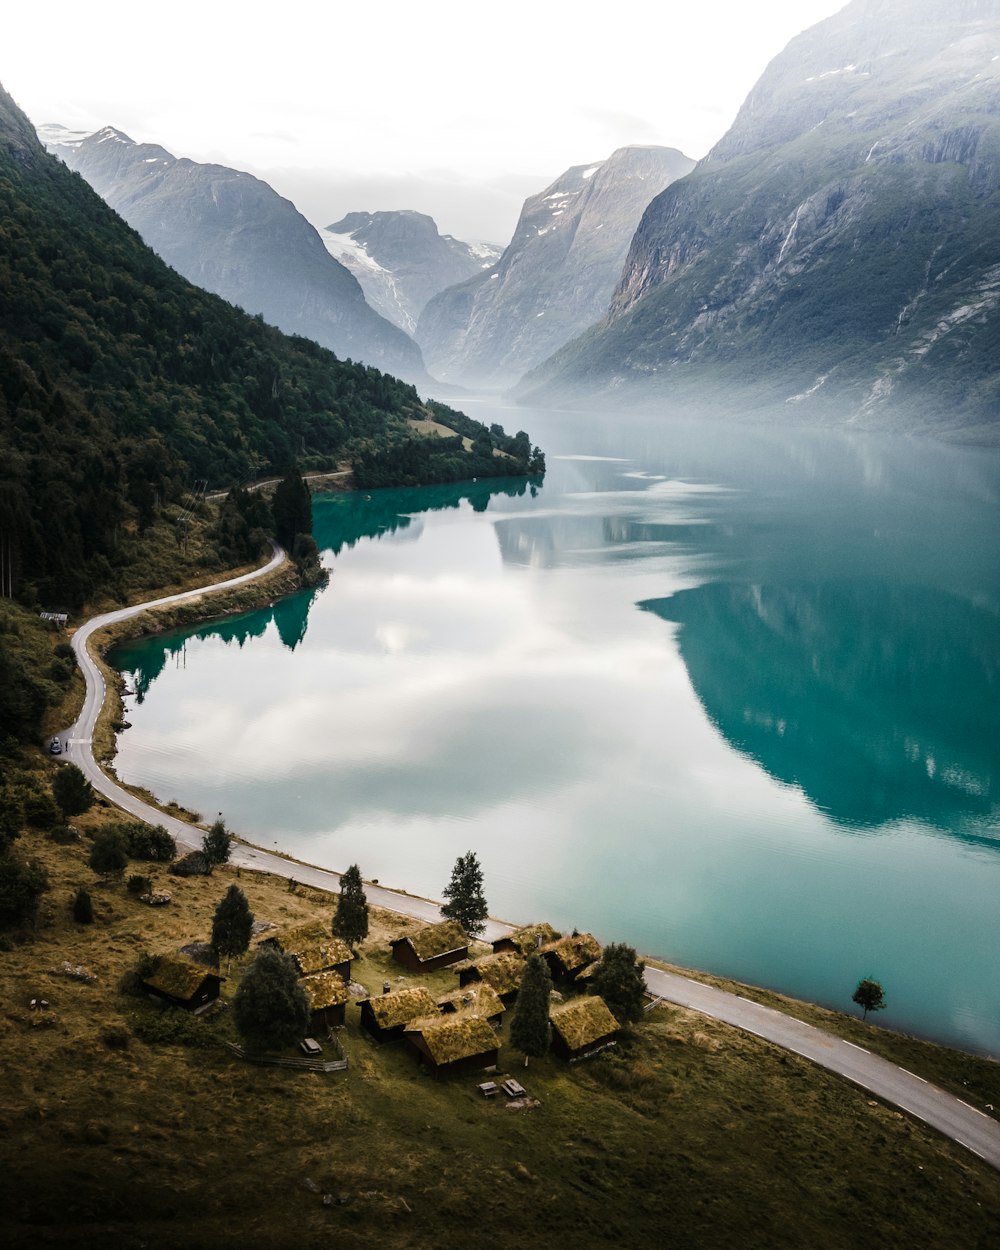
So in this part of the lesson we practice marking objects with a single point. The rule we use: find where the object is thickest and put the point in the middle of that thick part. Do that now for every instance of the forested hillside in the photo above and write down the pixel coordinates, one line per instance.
(122, 386)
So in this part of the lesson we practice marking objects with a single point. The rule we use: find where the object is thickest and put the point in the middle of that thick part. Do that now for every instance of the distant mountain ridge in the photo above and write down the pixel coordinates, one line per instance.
(401, 260)
(556, 276)
(232, 234)
(836, 256)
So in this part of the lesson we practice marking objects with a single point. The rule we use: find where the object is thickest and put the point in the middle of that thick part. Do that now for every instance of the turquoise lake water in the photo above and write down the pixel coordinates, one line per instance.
(730, 695)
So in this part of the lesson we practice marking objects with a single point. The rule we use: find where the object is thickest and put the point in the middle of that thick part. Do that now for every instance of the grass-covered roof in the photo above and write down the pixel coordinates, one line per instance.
(436, 939)
(312, 946)
(477, 999)
(325, 989)
(526, 938)
(501, 972)
(400, 1006)
(180, 978)
(455, 1037)
(583, 1021)
(574, 952)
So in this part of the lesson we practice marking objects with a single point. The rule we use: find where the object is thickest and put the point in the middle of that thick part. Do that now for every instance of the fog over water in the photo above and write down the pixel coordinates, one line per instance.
(728, 694)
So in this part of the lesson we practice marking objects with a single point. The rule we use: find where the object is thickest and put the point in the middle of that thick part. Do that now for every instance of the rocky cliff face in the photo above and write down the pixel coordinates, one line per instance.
(837, 255)
(556, 276)
(232, 234)
(401, 260)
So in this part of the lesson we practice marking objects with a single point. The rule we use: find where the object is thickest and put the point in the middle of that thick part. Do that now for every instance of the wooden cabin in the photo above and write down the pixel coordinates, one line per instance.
(526, 940)
(455, 1043)
(327, 994)
(582, 1027)
(314, 949)
(182, 983)
(386, 1016)
(568, 957)
(477, 999)
(501, 973)
(434, 946)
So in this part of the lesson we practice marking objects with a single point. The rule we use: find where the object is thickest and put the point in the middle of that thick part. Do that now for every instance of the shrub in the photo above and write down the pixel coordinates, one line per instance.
(72, 791)
(138, 884)
(150, 842)
(83, 907)
(41, 811)
(108, 856)
(21, 885)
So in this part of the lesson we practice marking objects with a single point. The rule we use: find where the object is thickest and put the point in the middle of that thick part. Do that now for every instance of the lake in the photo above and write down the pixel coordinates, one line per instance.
(729, 694)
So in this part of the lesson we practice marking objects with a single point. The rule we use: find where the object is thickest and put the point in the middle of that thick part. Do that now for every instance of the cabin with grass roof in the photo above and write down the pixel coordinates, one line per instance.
(327, 994)
(582, 1027)
(454, 1043)
(182, 983)
(568, 957)
(526, 940)
(434, 946)
(314, 949)
(386, 1016)
(502, 973)
(478, 999)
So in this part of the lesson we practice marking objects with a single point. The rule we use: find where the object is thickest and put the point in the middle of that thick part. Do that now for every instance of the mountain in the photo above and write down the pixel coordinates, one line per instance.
(233, 235)
(555, 278)
(836, 256)
(122, 384)
(401, 260)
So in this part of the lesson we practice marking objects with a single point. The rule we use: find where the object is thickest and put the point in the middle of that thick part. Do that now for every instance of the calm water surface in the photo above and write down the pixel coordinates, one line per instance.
(731, 695)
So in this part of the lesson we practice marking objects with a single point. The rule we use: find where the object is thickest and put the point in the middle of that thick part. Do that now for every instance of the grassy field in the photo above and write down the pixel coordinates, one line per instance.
(124, 1124)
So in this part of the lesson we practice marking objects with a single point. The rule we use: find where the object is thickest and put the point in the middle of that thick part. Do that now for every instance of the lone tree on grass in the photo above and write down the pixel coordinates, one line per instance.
(108, 856)
(464, 892)
(530, 1030)
(232, 924)
(619, 980)
(270, 1008)
(350, 920)
(217, 843)
(72, 791)
(869, 996)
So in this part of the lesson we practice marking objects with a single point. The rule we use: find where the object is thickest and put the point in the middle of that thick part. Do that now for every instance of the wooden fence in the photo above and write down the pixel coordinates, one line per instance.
(302, 1064)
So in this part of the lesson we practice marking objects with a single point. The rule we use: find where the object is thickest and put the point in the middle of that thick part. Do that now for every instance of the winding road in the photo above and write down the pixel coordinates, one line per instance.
(952, 1117)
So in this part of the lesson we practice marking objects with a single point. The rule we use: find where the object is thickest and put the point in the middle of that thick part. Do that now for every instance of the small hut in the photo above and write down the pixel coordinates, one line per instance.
(568, 957)
(526, 940)
(455, 1043)
(182, 983)
(582, 1027)
(327, 994)
(478, 999)
(386, 1016)
(434, 946)
(314, 949)
(501, 973)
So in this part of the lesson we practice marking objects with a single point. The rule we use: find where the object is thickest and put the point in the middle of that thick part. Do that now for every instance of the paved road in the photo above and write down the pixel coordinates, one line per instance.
(952, 1117)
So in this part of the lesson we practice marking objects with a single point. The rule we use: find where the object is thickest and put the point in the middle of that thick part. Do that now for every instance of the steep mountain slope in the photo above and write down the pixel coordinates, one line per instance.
(401, 260)
(837, 255)
(555, 277)
(121, 385)
(233, 235)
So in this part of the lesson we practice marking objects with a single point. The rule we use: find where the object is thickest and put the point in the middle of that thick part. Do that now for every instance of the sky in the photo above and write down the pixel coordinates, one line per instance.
(452, 108)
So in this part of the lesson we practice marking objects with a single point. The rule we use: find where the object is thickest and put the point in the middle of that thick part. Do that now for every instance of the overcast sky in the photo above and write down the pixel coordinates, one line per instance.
(455, 108)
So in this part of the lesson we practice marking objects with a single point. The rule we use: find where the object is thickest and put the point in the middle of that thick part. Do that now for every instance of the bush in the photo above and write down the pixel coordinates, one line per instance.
(72, 791)
(131, 981)
(149, 842)
(83, 908)
(138, 884)
(115, 1037)
(108, 856)
(21, 885)
(41, 811)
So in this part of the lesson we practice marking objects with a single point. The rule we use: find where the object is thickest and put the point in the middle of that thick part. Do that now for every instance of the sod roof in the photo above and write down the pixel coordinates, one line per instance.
(180, 978)
(526, 938)
(435, 939)
(574, 952)
(325, 989)
(478, 999)
(312, 946)
(583, 1021)
(401, 1006)
(455, 1037)
(501, 972)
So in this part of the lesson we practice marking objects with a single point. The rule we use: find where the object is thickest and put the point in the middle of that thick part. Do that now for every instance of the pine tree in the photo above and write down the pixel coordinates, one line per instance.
(232, 924)
(530, 1030)
(83, 907)
(291, 507)
(619, 980)
(217, 843)
(350, 920)
(270, 1008)
(466, 902)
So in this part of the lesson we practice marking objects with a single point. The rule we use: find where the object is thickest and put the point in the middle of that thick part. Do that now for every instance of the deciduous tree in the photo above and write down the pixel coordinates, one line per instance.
(72, 791)
(217, 843)
(619, 980)
(350, 920)
(869, 996)
(270, 1008)
(464, 892)
(232, 925)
